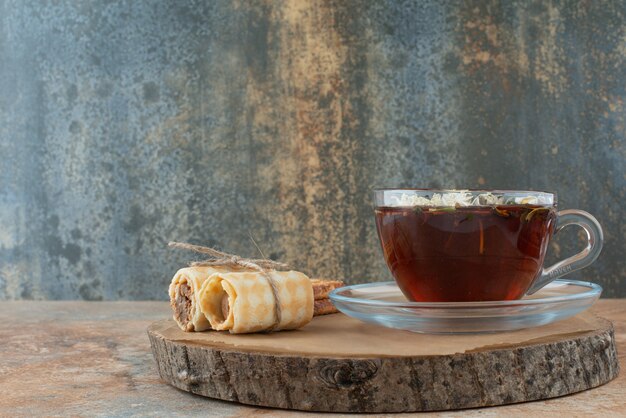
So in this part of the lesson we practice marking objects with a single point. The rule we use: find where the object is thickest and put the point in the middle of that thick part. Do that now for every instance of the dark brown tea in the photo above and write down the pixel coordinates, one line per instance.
(477, 253)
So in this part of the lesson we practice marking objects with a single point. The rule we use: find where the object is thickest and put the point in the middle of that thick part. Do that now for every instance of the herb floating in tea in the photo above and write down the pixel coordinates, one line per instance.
(444, 209)
(502, 212)
(469, 217)
(481, 242)
(530, 214)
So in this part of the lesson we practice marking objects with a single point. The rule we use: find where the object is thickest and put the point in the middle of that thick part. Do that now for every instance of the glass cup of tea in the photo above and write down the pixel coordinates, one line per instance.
(475, 245)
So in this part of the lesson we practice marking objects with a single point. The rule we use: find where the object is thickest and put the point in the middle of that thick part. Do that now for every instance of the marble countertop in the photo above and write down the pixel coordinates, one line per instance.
(93, 359)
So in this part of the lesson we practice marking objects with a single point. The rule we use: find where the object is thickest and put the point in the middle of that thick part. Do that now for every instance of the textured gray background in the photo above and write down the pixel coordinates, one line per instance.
(127, 124)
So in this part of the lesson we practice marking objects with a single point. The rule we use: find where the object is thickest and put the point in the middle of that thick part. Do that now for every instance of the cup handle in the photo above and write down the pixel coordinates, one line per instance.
(576, 262)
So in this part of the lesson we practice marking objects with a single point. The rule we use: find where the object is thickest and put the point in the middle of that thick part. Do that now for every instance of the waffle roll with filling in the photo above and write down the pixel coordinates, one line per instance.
(183, 292)
(245, 302)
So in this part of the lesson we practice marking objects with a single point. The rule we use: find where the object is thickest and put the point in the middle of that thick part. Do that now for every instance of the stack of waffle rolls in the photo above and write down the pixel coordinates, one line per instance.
(244, 301)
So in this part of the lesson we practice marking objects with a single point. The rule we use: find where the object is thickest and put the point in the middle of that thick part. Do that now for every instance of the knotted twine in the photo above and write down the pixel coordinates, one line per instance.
(222, 259)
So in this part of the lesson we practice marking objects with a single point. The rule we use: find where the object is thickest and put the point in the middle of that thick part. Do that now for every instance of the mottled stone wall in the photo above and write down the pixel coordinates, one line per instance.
(127, 124)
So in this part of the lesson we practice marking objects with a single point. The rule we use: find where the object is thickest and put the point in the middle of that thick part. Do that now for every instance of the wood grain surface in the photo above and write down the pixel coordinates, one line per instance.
(339, 364)
(93, 359)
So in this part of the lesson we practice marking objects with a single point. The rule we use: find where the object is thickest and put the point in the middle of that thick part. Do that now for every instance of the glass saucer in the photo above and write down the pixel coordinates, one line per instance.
(384, 304)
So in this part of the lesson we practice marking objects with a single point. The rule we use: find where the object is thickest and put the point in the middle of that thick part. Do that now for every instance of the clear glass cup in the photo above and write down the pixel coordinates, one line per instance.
(475, 245)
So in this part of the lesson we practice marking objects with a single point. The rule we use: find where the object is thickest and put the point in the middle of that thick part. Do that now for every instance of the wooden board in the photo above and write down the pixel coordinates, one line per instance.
(339, 364)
